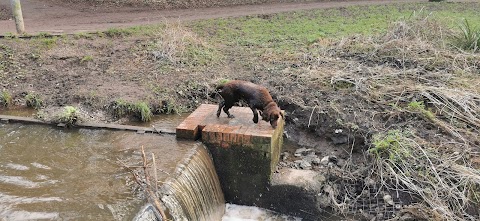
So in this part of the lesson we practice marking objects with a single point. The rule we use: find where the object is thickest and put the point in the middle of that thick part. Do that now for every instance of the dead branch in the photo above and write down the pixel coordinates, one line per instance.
(147, 188)
(145, 183)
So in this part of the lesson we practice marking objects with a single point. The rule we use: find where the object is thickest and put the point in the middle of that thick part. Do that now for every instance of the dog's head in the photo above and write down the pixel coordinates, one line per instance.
(271, 115)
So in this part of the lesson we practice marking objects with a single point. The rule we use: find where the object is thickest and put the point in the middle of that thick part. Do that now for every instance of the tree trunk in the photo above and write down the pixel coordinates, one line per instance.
(17, 15)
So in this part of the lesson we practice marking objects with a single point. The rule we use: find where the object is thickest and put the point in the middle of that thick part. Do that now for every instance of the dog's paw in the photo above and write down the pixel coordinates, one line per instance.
(218, 114)
(231, 116)
(255, 120)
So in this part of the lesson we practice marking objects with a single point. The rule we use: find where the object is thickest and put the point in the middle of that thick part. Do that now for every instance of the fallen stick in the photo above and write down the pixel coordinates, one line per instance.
(151, 195)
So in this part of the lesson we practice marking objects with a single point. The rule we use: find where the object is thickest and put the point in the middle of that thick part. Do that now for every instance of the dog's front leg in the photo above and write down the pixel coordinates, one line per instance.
(220, 108)
(255, 115)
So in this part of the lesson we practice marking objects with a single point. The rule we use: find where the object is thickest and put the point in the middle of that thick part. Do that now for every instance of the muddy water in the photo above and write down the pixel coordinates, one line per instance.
(52, 174)
(46, 173)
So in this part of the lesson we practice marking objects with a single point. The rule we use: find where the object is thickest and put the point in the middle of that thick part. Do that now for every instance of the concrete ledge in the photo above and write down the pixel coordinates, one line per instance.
(29, 120)
(245, 154)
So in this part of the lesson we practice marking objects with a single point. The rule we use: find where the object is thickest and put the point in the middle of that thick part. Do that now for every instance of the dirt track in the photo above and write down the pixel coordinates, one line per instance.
(45, 16)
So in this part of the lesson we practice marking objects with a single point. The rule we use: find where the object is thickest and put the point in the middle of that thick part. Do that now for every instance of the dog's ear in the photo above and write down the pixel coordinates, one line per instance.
(265, 116)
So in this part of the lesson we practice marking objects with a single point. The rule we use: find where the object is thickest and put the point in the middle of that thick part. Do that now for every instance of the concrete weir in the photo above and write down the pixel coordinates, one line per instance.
(245, 154)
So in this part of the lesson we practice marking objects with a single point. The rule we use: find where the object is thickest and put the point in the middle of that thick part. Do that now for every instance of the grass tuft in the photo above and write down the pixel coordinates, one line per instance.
(5, 99)
(469, 38)
(142, 111)
(69, 116)
(33, 100)
(86, 58)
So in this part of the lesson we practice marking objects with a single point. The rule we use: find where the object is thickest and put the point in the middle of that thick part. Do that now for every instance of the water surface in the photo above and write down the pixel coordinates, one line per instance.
(76, 174)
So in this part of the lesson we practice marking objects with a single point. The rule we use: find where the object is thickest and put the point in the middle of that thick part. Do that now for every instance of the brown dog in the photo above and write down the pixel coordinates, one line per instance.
(256, 96)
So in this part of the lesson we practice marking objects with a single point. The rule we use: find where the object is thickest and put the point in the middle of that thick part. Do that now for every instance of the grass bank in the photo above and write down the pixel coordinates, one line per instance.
(382, 88)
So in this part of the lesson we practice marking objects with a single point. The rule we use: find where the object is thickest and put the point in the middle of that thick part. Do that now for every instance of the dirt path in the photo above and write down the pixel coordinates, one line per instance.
(45, 16)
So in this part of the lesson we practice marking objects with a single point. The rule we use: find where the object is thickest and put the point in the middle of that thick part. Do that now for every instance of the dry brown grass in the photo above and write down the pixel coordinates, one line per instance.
(419, 78)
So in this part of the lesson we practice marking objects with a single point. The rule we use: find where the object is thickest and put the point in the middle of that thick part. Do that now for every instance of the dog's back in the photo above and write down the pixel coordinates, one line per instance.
(236, 90)
(257, 97)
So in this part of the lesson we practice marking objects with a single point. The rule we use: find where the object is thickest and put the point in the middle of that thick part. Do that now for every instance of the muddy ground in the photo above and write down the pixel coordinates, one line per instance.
(343, 97)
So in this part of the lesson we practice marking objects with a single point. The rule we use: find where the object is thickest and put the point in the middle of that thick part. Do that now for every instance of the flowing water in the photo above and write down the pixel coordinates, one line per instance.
(79, 174)
(194, 192)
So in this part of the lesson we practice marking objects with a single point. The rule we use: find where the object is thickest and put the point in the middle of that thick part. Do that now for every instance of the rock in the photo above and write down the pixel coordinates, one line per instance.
(388, 199)
(333, 159)
(370, 182)
(286, 135)
(307, 179)
(324, 160)
(313, 159)
(303, 164)
(285, 155)
(304, 152)
(339, 137)
(299, 192)
(341, 163)
(329, 160)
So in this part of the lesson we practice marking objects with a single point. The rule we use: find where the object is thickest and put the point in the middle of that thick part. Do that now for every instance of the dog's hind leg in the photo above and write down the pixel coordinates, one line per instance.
(220, 108)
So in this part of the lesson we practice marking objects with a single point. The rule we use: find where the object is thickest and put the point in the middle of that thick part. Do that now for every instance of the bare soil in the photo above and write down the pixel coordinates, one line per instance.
(57, 16)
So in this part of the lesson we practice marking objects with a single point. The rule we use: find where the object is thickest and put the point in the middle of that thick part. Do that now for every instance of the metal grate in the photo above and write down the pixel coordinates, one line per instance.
(372, 200)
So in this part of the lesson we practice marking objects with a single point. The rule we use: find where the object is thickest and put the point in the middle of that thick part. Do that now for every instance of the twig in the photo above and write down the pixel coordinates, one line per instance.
(151, 195)
(310, 119)
(155, 172)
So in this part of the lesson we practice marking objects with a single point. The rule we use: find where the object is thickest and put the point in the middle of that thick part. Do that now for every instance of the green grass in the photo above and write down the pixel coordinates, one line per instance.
(33, 100)
(147, 30)
(288, 32)
(46, 42)
(469, 38)
(419, 106)
(390, 145)
(140, 110)
(69, 116)
(84, 35)
(170, 106)
(5, 99)
(86, 58)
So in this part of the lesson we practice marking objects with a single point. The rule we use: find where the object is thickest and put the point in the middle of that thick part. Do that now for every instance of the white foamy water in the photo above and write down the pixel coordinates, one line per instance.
(250, 213)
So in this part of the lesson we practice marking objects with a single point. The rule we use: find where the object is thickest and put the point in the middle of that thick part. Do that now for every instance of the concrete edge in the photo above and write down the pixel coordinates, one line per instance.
(89, 125)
